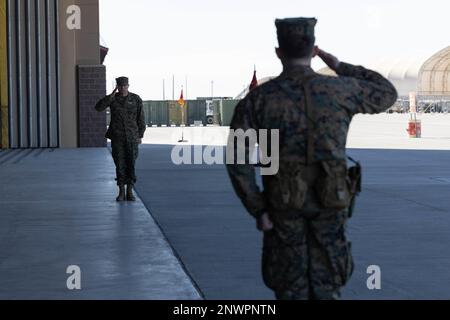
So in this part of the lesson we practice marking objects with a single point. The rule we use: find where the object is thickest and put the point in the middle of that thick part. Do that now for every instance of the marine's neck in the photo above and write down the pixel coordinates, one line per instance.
(293, 63)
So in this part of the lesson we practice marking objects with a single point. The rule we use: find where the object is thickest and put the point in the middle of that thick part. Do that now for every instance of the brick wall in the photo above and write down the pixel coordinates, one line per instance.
(91, 88)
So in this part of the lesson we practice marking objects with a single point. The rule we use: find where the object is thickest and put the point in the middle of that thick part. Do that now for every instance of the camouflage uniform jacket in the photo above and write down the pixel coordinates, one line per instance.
(127, 116)
(335, 99)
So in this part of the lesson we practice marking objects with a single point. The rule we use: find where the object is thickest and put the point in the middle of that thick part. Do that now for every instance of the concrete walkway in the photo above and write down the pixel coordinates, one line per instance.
(57, 209)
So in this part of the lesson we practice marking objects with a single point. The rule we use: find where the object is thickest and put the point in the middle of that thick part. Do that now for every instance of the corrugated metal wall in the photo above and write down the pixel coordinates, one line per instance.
(33, 71)
(175, 113)
(196, 110)
(156, 113)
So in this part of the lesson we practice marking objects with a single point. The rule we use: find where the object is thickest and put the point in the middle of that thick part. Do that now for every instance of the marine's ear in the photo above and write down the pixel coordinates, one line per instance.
(315, 51)
(279, 53)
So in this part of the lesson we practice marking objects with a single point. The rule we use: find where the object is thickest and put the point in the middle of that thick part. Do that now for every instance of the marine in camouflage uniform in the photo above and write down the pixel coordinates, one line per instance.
(126, 129)
(306, 254)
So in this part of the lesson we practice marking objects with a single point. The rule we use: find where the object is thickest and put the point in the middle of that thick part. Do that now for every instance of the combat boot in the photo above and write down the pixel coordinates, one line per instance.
(121, 196)
(130, 196)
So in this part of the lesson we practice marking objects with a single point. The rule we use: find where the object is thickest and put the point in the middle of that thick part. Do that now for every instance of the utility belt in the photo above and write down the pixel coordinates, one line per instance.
(334, 185)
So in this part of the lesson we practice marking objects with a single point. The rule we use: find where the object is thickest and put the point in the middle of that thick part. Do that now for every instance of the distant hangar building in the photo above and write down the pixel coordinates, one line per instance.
(430, 79)
(434, 76)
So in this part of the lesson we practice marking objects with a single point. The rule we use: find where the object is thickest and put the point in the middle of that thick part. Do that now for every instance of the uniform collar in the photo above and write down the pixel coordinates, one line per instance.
(118, 95)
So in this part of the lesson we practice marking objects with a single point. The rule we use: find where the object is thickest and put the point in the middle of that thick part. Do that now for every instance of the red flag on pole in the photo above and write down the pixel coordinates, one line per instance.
(181, 100)
(254, 82)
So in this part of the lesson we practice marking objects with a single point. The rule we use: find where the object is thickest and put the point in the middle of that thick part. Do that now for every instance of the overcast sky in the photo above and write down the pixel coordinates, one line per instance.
(221, 40)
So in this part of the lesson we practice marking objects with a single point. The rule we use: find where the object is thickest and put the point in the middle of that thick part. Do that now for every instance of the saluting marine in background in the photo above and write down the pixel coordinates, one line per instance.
(126, 131)
(303, 209)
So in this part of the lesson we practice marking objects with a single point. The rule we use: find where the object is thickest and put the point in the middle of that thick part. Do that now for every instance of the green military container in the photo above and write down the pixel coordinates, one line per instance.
(217, 119)
(176, 113)
(227, 108)
(156, 113)
(161, 113)
(196, 111)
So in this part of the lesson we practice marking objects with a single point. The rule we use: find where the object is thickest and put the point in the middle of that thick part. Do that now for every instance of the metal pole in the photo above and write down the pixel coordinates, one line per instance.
(10, 68)
(173, 88)
(48, 73)
(212, 90)
(164, 90)
(58, 102)
(182, 110)
(19, 74)
(38, 73)
(28, 72)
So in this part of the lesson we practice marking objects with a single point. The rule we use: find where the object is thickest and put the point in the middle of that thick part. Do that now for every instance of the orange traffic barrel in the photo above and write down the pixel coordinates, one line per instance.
(414, 128)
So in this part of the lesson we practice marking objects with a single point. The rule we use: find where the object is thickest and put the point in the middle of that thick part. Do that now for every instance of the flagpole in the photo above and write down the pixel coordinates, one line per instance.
(173, 87)
(164, 90)
(182, 108)
(182, 104)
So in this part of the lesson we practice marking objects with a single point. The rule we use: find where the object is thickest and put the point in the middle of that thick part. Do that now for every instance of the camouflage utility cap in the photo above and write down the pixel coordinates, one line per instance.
(296, 34)
(122, 81)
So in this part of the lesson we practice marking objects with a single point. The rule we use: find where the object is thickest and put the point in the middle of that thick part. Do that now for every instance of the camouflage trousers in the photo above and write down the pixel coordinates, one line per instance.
(125, 153)
(307, 256)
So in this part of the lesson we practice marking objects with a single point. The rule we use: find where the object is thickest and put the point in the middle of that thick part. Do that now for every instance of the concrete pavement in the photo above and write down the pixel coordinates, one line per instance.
(401, 224)
(379, 131)
(57, 209)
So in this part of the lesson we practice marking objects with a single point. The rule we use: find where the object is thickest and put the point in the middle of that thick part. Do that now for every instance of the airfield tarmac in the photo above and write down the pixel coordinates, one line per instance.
(188, 235)
(401, 221)
(381, 131)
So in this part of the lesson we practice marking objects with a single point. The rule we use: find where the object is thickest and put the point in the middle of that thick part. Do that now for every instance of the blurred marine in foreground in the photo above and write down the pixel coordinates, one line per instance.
(126, 131)
(304, 208)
